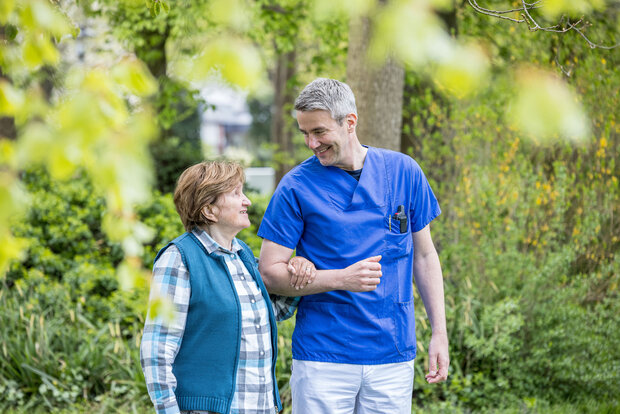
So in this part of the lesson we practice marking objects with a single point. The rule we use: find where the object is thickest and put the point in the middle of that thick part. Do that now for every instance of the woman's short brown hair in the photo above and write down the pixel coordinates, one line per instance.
(201, 185)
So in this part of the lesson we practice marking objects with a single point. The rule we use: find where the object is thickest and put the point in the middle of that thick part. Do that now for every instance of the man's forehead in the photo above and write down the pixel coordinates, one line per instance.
(314, 119)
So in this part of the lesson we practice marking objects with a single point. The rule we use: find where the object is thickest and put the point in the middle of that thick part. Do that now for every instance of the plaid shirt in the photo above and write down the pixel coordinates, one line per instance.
(161, 342)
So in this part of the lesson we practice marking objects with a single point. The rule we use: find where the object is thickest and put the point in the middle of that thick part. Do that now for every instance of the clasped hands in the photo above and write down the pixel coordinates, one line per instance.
(362, 276)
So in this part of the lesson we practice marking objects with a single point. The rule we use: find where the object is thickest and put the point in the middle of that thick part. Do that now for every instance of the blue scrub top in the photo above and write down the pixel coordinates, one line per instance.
(334, 221)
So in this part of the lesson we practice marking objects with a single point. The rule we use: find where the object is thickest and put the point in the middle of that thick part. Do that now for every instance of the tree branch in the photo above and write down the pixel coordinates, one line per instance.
(563, 26)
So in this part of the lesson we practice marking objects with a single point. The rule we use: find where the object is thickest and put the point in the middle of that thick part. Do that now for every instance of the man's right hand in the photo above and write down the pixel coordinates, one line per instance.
(362, 276)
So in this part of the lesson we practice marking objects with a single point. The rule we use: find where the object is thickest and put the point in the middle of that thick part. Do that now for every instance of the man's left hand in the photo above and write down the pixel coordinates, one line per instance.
(439, 359)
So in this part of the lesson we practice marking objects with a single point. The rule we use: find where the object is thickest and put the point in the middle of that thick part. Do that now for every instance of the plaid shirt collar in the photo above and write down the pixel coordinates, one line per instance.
(213, 246)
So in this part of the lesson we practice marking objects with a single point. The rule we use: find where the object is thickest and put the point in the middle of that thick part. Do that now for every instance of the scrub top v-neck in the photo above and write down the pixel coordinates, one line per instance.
(334, 221)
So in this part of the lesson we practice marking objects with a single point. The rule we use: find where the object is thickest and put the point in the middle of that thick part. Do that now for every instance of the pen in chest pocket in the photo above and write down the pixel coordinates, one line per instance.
(401, 217)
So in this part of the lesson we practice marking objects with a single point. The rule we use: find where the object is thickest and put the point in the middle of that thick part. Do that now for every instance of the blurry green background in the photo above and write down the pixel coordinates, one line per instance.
(516, 130)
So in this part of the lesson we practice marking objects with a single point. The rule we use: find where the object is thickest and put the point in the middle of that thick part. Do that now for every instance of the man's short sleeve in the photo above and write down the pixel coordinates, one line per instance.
(424, 205)
(283, 223)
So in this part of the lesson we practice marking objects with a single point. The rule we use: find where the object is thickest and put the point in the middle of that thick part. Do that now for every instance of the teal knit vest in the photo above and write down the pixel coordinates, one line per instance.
(206, 364)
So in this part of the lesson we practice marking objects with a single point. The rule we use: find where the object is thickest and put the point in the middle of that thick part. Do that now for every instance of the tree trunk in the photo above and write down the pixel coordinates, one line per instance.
(281, 131)
(378, 91)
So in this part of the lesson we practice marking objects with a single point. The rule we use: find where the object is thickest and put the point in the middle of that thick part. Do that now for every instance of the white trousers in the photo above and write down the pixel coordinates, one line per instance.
(330, 388)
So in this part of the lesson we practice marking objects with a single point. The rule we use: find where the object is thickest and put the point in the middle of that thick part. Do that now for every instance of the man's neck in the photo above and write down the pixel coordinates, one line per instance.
(357, 158)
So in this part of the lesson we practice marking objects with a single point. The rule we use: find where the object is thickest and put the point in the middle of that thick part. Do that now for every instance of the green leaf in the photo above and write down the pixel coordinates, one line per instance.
(463, 71)
(231, 13)
(38, 50)
(12, 202)
(547, 109)
(11, 99)
(413, 34)
(135, 76)
(327, 9)
(34, 144)
(162, 307)
(6, 8)
(166, 6)
(7, 153)
(237, 61)
(10, 32)
(554, 8)
(39, 15)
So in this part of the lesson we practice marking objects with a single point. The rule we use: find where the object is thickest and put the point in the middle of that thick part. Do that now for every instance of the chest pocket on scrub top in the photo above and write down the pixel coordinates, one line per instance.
(397, 244)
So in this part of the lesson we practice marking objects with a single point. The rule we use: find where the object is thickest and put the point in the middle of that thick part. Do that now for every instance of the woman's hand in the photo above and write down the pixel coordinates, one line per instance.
(301, 271)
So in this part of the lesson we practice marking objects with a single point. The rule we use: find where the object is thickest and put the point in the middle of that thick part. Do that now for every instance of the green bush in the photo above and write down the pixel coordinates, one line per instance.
(528, 242)
(69, 336)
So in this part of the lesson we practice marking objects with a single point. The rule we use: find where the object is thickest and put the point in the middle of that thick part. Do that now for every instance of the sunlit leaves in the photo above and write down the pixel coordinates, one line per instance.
(11, 99)
(41, 16)
(6, 7)
(229, 13)
(129, 232)
(126, 177)
(442, 4)
(328, 9)
(411, 32)
(38, 22)
(89, 126)
(237, 61)
(546, 109)
(131, 274)
(155, 7)
(463, 72)
(39, 50)
(12, 203)
(554, 8)
(163, 308)
(133, 75)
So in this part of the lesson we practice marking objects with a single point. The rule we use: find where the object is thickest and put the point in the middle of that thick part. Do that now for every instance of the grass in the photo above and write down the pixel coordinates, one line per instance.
(531, 407)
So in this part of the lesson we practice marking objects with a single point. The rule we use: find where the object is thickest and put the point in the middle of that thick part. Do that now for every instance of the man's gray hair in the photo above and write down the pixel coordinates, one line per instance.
(328, 95)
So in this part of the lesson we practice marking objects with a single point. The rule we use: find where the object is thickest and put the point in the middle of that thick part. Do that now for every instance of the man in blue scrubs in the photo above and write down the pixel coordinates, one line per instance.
(361, 215)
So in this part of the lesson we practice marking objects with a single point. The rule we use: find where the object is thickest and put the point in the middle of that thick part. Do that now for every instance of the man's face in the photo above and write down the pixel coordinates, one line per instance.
(325, 137)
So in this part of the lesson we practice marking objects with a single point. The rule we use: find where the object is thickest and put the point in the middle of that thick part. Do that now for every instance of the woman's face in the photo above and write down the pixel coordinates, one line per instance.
(232, 210)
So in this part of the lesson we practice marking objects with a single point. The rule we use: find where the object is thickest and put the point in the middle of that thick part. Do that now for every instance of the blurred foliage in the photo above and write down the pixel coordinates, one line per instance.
(177, 105)
(73, 119)
(179, 145)
(69, 335)
(529, 235)
(528, 239)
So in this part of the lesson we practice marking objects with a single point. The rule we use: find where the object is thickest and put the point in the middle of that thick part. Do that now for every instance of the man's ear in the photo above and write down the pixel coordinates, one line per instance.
(210, 213)
(351, 121)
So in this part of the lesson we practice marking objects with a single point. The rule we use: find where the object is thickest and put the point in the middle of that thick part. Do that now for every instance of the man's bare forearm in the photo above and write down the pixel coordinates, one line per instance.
(429, 282)
(362, 276)
(278, 281)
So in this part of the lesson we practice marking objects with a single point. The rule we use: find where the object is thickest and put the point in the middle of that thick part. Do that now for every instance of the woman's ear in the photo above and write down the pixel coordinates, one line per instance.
(209, 213)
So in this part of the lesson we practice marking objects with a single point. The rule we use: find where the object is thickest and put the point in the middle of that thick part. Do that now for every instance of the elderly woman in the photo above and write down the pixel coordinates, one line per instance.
(218, 354)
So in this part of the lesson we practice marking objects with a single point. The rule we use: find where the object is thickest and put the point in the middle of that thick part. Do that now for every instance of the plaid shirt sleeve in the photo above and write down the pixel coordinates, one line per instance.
(284, 306)
(162, 338)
